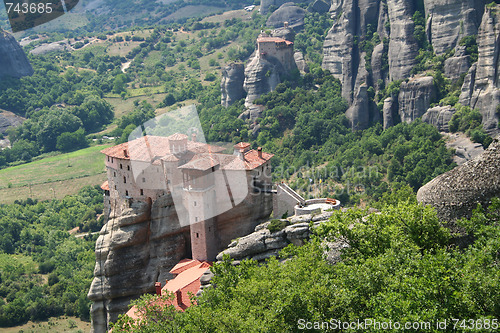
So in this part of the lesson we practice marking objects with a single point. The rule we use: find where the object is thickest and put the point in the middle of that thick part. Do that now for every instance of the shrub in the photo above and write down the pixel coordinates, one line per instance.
(276, 225)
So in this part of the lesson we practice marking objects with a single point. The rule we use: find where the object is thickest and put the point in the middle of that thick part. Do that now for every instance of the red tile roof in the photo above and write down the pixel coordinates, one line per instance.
(250, 161)
(187, 281)
(177, 137)
(105, 186)
(148, 147)
(273, 39)
(242, 145)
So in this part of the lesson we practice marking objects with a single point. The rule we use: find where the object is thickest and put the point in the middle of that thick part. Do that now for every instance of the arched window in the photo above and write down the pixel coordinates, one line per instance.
(124, 180)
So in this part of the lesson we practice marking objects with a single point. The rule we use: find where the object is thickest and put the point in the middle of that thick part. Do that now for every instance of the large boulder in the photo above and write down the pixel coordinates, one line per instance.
(439, 117)
(8, 120)
(319, 6)
(456, 193)
(288, 12)
(13, 60)
(267, 5)
(233, 77)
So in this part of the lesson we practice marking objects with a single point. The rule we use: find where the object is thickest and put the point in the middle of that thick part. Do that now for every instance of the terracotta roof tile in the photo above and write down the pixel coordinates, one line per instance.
(148, 147)
(177, 137)
(105, 186)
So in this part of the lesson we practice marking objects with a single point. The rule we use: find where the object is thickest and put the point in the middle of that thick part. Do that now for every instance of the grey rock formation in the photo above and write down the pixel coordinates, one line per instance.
(403, 48)
(261, 77)
(341, 55)
(481, 88)
(8, 120)
(301, 62)
(288, 12)
(439, 117)
(415, 97)
(136, 248)
(457, 65)
(465, 149)
(390, 112)
(450, 20)
(13, 60)
(319, 6)
(285, 33)
(378, 72)
(265, 5)
(359, 112)
(456, 193)
(232, 90)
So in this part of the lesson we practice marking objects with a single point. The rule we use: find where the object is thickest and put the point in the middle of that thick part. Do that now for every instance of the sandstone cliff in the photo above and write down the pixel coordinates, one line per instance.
(261, 77)
(456, 193)
(13, 60)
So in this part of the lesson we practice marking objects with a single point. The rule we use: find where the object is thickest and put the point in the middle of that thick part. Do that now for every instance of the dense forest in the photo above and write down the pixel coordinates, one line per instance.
(401, 266)
(44, 270)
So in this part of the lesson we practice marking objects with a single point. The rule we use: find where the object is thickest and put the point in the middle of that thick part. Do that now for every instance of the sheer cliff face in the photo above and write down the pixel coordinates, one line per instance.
(446, 23)
(481, 88)
(450, 20)
(13, 60)
(137, 247)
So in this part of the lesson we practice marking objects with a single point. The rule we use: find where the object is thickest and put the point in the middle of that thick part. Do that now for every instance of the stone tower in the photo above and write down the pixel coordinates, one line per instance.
(199, 187)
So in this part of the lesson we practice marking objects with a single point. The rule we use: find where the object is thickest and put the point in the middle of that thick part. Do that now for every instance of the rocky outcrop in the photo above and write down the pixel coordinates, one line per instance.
(267, 5)
(13, 60)
(232, 90)
(288, 12)
(439, 117)
(341, 54)
(456, 193)
(263, 244)
(456, 66)
(285, 33)
(261, 77)
(415, 97)
(301, 62)
(8, 120)
(481, 88)
(403, 48)
(319, 6)
(465, 149)
(136, 248)
(450, 20)
(390, 112)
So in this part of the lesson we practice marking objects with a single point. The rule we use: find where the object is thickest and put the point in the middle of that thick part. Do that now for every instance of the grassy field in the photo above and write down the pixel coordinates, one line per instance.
(53, 325)
(53, 177)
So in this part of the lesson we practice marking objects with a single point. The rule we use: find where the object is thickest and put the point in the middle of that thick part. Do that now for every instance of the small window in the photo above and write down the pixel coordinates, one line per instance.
(108, 158)
(114, 174)
(143, 179)
(125, 180)
(121, 166)
(197, 235)
(126, 193)
(213, 169)
(128, 167)
(115, 187)
(112, 159)
(195, 203)
(142, 191)
(209, 228)
(196, 219)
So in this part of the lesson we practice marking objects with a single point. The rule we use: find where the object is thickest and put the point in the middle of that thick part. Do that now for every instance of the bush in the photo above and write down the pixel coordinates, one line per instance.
(276, 225)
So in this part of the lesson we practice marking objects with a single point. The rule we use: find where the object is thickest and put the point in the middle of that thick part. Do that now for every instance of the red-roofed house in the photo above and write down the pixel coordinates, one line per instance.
(185, 283)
